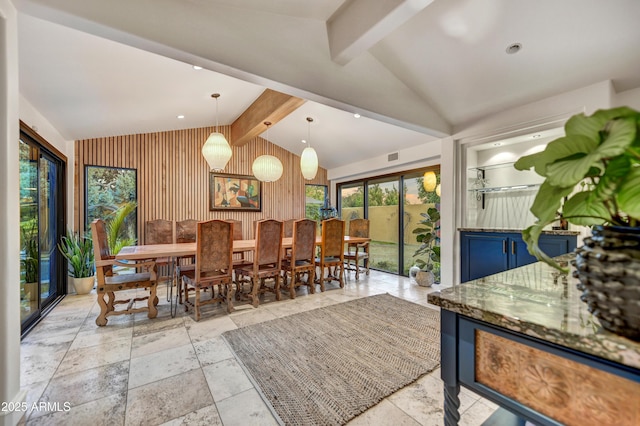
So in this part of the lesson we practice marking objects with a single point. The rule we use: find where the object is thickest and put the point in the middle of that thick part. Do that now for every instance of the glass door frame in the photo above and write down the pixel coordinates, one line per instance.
(365, 182)
(58, 274)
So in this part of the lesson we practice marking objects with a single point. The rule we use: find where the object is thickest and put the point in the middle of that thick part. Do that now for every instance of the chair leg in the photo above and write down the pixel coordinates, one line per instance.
(276, 288)
(357, 265)
(230, 295)
(101, 321)
(152, 301)
(255, 287)
(341, 279)
(196, 303)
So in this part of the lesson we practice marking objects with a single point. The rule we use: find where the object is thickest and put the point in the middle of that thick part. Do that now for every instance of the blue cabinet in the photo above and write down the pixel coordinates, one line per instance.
(487, 253)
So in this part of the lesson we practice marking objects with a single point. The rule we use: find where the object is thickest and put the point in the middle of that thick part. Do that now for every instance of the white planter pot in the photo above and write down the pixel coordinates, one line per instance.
(82, 285)
(425, 278)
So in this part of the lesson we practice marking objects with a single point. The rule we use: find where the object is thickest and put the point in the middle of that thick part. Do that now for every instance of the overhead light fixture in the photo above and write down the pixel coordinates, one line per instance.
(356, 115)
(513, 48)
(267, 168)
(180, 117)
(197, 67)
(309, 158)
(216, 149)
(429, 181)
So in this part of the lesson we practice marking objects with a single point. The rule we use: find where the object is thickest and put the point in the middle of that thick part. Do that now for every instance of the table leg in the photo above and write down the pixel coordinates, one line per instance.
(451, 404)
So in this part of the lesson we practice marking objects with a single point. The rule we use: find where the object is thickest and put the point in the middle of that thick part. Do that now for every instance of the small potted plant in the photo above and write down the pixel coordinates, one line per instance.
(79, 252)
(428, 235)
(595, 169)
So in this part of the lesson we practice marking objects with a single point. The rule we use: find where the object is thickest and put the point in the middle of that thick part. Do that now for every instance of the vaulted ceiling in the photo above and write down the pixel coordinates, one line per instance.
(416, 70)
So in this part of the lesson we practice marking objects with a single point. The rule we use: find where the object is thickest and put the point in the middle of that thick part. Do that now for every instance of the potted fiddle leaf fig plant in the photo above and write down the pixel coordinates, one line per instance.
(595, 169)
(79, 252)
(428, 237)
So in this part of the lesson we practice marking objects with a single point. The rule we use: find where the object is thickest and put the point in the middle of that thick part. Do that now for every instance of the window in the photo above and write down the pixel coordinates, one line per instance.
(315, 199)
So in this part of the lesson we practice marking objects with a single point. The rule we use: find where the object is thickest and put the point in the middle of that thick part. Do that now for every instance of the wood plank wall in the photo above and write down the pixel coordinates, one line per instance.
(173, 176)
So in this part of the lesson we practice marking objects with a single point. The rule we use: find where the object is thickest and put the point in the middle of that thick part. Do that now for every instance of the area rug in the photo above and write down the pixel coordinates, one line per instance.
(327, 365)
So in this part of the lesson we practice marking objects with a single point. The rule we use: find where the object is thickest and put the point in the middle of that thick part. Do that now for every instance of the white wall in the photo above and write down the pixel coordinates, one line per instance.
(9, 216)
(34, 119)
(630, 98)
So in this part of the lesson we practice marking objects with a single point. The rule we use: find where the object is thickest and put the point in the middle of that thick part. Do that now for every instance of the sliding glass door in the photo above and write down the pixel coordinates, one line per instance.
(394, 205)
(41, 226)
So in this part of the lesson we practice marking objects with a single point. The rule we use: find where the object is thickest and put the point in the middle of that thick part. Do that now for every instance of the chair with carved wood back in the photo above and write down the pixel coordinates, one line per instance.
(331, 253)
(267, 260)
(302, 258)
(213, 267)
(357, 252)
(109, 282)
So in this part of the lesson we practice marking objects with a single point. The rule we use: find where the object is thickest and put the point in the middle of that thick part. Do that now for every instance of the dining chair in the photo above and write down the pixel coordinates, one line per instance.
(110, 281)
(267, 260)
(331, 253)
(302, 258)
(357, 252)
(186, 231)
(160, 231)
(213, 266)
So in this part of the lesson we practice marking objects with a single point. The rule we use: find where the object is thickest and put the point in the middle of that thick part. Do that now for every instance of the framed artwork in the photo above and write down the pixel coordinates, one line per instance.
(234, 192)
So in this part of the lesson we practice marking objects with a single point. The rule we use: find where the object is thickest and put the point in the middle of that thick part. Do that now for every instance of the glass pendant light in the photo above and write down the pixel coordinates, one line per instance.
(309, 158)
(216, 149)
(267, 168)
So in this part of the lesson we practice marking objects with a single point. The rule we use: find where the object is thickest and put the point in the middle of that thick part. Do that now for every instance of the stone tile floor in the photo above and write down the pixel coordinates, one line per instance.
(174, 371)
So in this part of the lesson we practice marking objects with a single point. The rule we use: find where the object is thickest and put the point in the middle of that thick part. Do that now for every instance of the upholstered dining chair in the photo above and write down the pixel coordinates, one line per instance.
(331, 253)
(186, 231)
(357, 252)
(109, 282)
(160, 231)
(266, 260)
(213, 267)
(302, 258)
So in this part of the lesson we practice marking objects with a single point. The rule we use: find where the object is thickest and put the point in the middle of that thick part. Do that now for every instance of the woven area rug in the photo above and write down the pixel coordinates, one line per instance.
(327, 365)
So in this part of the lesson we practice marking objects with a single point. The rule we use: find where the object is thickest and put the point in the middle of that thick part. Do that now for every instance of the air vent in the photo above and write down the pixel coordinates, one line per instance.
(392, 157)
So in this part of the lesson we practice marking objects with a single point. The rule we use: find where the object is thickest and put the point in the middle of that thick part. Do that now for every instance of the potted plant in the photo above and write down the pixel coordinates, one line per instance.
(29, 261)
(428, 235)
(595, 168)
(79, 252)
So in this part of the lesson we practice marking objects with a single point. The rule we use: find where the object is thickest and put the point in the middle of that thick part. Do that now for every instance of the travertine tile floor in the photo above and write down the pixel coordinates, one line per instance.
(175, 371)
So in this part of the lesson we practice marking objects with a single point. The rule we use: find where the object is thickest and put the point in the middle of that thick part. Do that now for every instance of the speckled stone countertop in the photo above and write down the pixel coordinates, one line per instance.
(539, 301)
(548, 232)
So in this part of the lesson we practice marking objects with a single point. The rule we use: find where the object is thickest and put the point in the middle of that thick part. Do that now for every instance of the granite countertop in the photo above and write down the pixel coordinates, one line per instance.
(548, 231)
(539, 301)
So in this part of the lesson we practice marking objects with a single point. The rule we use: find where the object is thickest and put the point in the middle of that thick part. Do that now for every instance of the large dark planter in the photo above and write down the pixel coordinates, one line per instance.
(608, 267)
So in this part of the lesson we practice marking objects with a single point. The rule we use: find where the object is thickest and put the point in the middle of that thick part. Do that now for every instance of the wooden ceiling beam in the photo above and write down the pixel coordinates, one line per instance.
(270, 106)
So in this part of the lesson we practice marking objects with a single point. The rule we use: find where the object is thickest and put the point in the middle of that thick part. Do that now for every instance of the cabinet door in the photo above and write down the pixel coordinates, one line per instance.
(482, 255)
(518, 253)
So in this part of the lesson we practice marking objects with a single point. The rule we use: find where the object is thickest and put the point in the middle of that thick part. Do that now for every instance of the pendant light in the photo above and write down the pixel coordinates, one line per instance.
(309, 158)
(267, 168)
(216, 149)
(429, 181)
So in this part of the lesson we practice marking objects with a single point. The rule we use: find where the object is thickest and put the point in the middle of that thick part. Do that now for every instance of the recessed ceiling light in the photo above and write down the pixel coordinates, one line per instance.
(197, 67)
(356, 115)
(497, 144)
(181, 117)
(303, 141)
(536, 136)
(513, 48)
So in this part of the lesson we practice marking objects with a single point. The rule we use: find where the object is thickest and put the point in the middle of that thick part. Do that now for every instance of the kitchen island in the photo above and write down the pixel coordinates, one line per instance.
(524, 340)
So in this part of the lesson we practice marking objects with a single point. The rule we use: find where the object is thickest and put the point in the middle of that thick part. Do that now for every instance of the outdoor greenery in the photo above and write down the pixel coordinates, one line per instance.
(118, 234)
(79, 252)
(428, 235)
(595, 168)
(29, 244)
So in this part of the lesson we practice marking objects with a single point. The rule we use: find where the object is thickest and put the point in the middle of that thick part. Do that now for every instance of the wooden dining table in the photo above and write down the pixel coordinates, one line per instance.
(154, 251)
(178, 250)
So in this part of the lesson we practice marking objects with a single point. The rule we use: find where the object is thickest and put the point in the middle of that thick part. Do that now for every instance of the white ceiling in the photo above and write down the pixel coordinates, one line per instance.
(416, 71)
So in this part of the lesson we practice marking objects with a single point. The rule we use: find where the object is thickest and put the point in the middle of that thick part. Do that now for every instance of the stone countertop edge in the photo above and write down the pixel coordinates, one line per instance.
(483, 299)
(503, 230)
